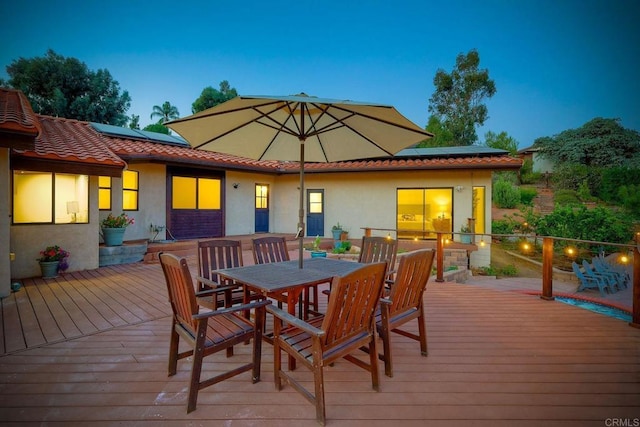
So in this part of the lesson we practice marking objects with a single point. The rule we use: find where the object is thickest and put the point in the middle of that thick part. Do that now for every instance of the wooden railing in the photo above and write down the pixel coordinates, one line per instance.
(547, 261)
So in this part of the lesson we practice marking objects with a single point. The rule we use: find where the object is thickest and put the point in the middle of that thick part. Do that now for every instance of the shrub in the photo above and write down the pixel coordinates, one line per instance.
(505, 194)
(566, 198)
(508, 270)
(527, 195)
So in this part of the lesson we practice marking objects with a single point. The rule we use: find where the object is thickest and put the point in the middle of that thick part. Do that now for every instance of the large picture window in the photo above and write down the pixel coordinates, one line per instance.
(195, 193)
(50, 198)
(423, 211)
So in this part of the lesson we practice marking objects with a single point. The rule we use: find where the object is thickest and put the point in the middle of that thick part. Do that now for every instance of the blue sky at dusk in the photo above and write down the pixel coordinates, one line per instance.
(556, 64)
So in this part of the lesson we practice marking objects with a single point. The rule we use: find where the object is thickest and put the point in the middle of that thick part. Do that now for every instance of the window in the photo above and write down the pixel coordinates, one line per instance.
(423, 211)
(130, 190)
(104, 193)
(46, 198)
(195, 193)
(478, 209)
(262, 196)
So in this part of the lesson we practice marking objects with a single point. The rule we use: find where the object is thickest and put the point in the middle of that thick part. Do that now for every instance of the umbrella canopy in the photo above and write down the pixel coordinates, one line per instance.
(299, 128)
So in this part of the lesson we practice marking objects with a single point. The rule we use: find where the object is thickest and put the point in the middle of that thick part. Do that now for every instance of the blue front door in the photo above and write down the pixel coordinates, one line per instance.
(315, 213)
(262, 208)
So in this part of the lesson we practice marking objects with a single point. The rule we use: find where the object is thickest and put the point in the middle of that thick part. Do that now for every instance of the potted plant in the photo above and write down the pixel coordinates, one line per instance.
(316, 252)
(113, 228)
(53, 259)
(336, 231)
(465, 238)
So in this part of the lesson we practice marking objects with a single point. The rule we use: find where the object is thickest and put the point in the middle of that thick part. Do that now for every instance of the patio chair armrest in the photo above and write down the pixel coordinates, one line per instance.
(235, 308)
(215, 285)
(294, 321)
(386, 301)
(218, 290)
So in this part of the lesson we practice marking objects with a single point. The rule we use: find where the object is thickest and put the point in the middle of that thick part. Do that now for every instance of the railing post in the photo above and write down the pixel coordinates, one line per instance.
(635, 316)
(547, 269)
(367, 232)
(439, 257)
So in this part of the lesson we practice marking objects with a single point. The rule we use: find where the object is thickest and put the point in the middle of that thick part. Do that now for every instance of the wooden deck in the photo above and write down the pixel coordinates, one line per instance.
(90, 348)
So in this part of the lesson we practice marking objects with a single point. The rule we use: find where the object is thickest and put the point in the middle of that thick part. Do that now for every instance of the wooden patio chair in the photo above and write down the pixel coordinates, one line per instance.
(377, 249)
(274, 249)
(405, 303)
(207, 332)
(213, 255)
(347, 326)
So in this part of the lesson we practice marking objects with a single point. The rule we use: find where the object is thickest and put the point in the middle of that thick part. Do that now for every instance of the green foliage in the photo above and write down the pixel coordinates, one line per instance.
(630, 197)
(211, 97)
(508, 270)
(134, 121)
(598, 224)
(527, 175)
(157, 127)
(571, 175)
(505, 194)
(165, 112)
(458, 98)
(566, 198)
(65, 87)
(441, 136)
(527, 194)
(501, 141)
(599, 142)
(583, 192)
(615, 178)
(502, 226)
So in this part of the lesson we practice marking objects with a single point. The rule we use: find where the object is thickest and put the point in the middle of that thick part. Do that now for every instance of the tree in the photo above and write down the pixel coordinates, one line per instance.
(458, 98)
(134, 121)
(441, 136)
(211, 97)
(65, 87)
(501, 141)
(166, 112)
(158, 128)
(599, 142)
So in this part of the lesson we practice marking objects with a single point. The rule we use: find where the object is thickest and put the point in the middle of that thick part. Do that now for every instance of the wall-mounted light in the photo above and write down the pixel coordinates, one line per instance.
(235, 185)
(459, 188)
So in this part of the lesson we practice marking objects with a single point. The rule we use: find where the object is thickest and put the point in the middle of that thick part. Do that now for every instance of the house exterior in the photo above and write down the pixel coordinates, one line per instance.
(539, 163)
(70, 175)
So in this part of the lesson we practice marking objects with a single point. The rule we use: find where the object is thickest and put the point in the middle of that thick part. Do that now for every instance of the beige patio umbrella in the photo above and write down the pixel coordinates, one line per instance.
(299, 128)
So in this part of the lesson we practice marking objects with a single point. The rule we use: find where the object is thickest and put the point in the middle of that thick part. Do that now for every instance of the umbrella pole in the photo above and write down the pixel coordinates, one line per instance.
(301, 207)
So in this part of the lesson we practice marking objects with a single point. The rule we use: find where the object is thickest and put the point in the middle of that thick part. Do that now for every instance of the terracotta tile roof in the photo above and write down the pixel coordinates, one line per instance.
(138, 150)
(469, 162)
(16, 114)
(71, 141)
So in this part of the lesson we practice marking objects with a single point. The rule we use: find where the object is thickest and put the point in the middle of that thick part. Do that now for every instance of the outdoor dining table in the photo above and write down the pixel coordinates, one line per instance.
(287, 278)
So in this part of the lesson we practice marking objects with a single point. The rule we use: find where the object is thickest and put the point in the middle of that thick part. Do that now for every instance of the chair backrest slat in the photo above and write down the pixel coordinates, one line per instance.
(378, 249)
(411, 280)
(180, 290)
(352, 303)
(270, 249)
(216, 254)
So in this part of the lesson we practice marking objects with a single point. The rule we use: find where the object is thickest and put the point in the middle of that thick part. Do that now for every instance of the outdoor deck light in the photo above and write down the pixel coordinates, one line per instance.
(570, 251)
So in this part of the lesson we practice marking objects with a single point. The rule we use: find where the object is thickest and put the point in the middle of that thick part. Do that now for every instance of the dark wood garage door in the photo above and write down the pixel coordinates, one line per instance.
(195, 203)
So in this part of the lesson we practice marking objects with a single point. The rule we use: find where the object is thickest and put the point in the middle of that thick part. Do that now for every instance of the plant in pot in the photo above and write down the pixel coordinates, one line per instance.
(317, 252)
(465, 238)
(113, 228)
(336, 231)
(53, 259)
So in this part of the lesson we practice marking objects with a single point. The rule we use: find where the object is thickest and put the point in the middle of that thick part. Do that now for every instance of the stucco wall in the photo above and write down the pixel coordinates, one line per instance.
(240, 202)
(81, 240)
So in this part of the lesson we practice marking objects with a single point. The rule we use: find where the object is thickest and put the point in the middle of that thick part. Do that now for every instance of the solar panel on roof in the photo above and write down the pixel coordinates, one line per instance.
(449, 151)
(139, 134)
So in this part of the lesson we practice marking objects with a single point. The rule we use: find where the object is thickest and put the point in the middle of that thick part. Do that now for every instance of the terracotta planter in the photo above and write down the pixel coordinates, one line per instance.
(113, 236)
(49, 269)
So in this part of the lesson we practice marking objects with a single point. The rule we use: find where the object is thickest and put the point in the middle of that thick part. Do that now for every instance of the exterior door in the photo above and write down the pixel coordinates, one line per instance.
(315, 213)
(262, 208)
